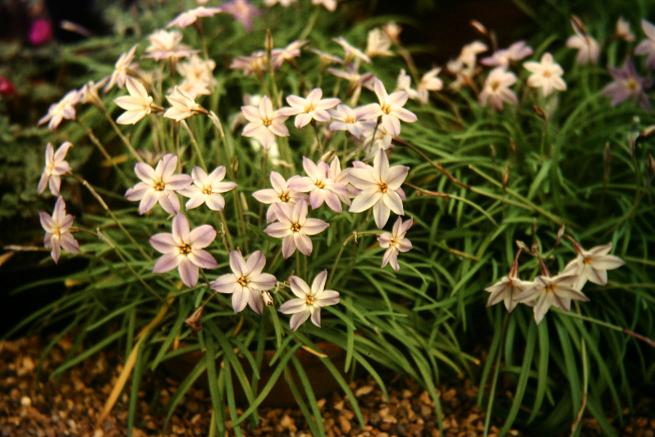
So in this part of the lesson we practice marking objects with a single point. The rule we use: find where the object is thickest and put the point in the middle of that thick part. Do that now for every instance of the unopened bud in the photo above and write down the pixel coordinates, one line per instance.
(578, 25)
(539, 111)
(234, 165)
(194, 321)
(505, 176)
(524, 247)
(560, 234)
(268, 42)
(479, 27)
(268, 299)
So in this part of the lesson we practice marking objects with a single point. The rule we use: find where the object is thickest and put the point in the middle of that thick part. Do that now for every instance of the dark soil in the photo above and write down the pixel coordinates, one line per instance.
(30, 405)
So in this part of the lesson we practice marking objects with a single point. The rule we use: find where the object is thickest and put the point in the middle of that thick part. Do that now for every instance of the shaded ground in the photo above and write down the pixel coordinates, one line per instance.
(70, 406)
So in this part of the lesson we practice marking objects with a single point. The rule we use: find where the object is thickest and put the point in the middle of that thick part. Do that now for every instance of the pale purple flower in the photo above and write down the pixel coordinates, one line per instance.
(167, 45)
(207, 188)
(356, 121)
(647, 46)
(264, 123)
(137, 104)
(379, 187)
(187, 18)
(497, 90)
(587, 47)
(509, 288)
(546, 74)
(288, 53)
(253, 64)
(58, 230)
(246, 283)
(243, 11)
(351, 52)
(547, 291)
(306, 109)
(122, 68)
(623, 30)
(182, 106)
(294, 228)
(319, 185)
(158, 185)
(64, 109)
(184, 249)
(504, 57)
(309, 300)
(395, 242)
(280, 193)
(330, 5)
(627, 85)
(284, 3)
(390, 107)
(378, 43)
(592, 265)
(55, 167)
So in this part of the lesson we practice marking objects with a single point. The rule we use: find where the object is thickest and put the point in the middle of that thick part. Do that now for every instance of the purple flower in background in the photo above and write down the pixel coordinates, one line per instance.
(627, 84)
(40, 32)
(243, 11)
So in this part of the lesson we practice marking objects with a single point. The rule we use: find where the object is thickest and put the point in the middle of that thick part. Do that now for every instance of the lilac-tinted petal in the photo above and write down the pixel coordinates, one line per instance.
(319, 282)
(239, 299)
(255, 262)
(163, 242)
(224, 283)
(165, 263)
(237, 263)
(180, 228)
(188, 272)
(202, 236)
(203, 259)
(298, 319)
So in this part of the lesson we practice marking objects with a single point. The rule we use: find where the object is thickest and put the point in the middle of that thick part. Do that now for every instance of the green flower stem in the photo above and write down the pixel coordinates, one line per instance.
(104, 205)
(123, 138)
(354, 236)
(195, 144)
(103, 151)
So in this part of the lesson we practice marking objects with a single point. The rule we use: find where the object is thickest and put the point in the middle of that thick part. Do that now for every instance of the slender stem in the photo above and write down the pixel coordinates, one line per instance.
(226, 231)
(104, 205)
(123, 138)
(195, 144)
(111, 244)
(354, 236)
(103, 151)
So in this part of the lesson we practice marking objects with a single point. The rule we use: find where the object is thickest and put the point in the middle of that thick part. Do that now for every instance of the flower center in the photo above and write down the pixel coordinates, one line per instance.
(550, 288)
(267, 121)
(207, 190)
(309, 107)
(383, 187)
(631, 84)
(295, 227)
(159, 186)
(320, 184)
(309, 300)
(586, 260)
(547, 73)
(350, 119)
(284, 197)
(184, 248)
(386, 108)
(495, 85)
(243, 281)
